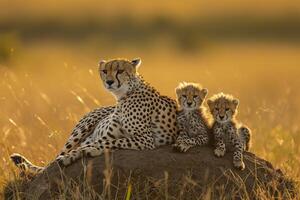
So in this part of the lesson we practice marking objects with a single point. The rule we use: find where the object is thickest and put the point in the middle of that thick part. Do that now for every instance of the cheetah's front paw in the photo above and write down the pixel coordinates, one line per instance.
(239, 164)
(64, 160)
(181, 147)
(219, 152)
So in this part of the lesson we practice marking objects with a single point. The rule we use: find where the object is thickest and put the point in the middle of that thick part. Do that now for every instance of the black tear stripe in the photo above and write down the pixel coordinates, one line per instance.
(119, 84)
(112, 64)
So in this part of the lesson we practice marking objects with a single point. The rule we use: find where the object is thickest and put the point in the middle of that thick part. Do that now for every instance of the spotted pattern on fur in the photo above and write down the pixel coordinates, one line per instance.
(142, 118)
(192, 123)
(228, 134)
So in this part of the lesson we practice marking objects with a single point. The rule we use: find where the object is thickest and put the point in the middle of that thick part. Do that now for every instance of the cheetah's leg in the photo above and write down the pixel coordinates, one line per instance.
(238, 150)
(82, 130)
(245, 136)
(136, 142)
(184, 142)
(220, 145)
(85, 127)
(201, 139)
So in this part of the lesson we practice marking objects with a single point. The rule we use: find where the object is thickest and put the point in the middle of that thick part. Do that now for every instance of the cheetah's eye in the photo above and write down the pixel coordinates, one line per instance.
(227, 109)
(195, 96)
(184, 96)
(104, 71)
(120, 71)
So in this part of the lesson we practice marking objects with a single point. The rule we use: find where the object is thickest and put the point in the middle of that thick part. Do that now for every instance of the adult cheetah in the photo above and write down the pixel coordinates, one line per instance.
(141, 119)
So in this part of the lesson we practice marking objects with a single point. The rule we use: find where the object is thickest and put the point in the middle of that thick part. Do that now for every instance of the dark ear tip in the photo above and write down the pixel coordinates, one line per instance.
(236, 101)
(101, 62)
(136, 61)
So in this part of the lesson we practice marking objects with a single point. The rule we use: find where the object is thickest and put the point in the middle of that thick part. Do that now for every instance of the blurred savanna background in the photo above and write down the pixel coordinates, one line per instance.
(49, 51)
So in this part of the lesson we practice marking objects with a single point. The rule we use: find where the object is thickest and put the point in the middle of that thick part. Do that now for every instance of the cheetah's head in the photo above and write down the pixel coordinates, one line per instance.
(223, 107)
(117, 73)
(190, 96)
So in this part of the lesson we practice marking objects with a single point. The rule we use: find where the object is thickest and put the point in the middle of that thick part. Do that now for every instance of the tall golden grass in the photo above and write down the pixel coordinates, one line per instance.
(45, 90)
(48, 82)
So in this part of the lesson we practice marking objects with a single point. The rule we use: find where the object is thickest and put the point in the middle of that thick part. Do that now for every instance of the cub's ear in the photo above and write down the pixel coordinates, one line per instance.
(204, 92)
(235, 102)
(136, 62)
(177, 91)
(102, 62)
(210, 104)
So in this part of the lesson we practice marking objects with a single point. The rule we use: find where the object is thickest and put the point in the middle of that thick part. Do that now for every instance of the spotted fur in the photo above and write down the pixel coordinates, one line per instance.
(192, 123)
(81, 134)
(228, 133)
(141, 119)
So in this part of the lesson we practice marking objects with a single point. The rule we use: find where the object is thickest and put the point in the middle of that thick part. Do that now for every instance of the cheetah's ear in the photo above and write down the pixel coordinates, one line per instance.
(210, 104)
(177, 91)
(136, 62)
(102, 62)
(235, 102)
(204, 92)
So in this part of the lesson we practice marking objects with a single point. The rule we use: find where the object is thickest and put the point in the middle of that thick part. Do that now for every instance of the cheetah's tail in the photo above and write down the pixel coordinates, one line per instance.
(25, 165)
(245, 135)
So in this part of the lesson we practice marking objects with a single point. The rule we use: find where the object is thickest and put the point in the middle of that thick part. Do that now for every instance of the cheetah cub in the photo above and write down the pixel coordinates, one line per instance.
(228, 133)
(192, 124)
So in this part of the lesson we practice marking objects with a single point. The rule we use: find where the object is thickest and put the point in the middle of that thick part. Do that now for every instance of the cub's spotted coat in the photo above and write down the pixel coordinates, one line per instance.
(192, 123)
(228, 133)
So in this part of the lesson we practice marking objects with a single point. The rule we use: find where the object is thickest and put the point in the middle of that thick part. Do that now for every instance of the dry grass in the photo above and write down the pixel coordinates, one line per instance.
(47, 87)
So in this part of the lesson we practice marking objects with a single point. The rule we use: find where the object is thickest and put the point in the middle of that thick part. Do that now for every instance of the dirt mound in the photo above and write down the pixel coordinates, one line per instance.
(157, 174)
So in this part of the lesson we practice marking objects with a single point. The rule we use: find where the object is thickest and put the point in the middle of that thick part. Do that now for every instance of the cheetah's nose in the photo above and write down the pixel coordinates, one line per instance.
(221, 117)
(109, 82)
(189, 103)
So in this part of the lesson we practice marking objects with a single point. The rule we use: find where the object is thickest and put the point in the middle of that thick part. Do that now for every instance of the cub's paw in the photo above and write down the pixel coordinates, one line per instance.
(239, 164)
(181, 147)
(219, 152)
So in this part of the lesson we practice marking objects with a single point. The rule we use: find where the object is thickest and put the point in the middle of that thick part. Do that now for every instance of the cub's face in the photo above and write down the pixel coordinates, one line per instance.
(117, 73)
(190, 96)
(223, 108)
